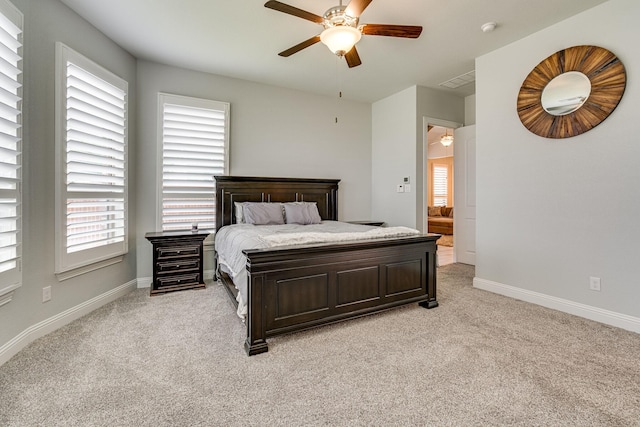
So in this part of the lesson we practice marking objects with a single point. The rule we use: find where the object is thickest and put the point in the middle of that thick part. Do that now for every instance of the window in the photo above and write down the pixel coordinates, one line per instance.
(10, 148)
(91, 198)
(440, 185)
(195, 147)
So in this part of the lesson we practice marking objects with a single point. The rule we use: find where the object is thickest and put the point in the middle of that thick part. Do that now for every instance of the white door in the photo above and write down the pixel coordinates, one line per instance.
(464, 178)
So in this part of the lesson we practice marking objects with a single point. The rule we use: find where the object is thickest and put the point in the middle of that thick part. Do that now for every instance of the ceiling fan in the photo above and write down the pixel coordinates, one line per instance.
(341, 30)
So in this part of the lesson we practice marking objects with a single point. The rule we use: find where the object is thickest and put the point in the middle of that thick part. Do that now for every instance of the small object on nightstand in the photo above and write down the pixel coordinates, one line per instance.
(177, 260)
(374, 223)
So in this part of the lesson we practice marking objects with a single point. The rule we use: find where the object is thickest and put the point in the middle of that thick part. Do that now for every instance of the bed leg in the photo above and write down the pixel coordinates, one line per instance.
(256, 342)
(432, 303)
(432, 257)
(255, 348)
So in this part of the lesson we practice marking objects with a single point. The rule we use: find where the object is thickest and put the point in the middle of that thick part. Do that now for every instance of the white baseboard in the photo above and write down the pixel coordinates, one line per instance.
(208, 275)
(144, 282)
(40, 329)
(612, 318)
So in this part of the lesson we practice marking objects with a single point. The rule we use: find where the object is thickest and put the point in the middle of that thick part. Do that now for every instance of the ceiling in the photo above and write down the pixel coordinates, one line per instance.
(242, 39)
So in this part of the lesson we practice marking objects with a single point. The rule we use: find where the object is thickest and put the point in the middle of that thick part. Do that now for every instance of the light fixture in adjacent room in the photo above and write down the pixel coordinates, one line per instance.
(446, 139)
(340, 39)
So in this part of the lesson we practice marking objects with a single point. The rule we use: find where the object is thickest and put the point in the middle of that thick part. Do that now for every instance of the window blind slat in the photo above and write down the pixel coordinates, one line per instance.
(97, 142)
(10, 85)
(177, 150)
(93, 106)
(77, 76)
(90, 123)
(9, 68)
(10, 33)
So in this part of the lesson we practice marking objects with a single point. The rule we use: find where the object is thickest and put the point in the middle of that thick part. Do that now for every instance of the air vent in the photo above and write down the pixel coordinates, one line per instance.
(461, 80)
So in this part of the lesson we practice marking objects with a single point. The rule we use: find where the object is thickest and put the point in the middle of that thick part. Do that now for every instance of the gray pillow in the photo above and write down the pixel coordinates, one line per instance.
(304, 213)
(262, 213)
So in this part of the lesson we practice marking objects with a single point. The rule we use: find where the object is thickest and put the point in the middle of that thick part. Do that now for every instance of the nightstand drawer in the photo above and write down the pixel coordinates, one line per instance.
(177, 251)
(181, 280)
(178, 265)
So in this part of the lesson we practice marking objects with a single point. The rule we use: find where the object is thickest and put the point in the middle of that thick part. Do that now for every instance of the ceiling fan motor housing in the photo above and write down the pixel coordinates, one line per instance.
(336, 17)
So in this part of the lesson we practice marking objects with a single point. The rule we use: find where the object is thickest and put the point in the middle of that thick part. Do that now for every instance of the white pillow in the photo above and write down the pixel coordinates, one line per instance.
(303, 213)
(239, 214)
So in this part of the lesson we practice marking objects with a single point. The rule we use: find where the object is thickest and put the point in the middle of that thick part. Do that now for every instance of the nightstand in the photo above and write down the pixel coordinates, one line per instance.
(177, 260)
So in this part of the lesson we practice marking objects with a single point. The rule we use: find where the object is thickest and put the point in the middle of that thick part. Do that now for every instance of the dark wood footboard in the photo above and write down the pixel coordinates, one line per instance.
(296, 288)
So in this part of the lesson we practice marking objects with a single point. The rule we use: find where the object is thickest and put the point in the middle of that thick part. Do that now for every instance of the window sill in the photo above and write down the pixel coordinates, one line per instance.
(6, 294)
(64, 275)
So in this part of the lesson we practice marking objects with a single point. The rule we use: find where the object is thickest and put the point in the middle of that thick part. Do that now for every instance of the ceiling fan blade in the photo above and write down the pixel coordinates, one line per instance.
(408, 31)
(297, 48)
(352, 57)
(356, 7)
(285, 8)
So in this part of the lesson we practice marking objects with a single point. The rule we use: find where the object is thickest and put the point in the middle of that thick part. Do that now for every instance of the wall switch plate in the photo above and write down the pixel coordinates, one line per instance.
(407, 188)
(594, 283)
(46, 294)
(400, 188)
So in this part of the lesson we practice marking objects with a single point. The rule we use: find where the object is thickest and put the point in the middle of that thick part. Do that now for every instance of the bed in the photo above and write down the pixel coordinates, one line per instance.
(291, 288)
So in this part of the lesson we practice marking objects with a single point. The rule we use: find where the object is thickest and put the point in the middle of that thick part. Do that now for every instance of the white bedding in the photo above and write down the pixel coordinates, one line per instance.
(231, 240)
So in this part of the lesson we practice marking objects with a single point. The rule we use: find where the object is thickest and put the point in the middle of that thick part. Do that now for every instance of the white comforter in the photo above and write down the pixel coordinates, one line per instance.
(231, 240)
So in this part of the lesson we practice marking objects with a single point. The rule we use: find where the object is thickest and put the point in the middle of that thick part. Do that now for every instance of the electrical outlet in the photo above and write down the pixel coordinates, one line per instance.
(594, 283)
(46, 293)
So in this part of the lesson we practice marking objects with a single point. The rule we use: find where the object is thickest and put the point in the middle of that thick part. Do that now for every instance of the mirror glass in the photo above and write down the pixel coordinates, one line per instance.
(566, 93)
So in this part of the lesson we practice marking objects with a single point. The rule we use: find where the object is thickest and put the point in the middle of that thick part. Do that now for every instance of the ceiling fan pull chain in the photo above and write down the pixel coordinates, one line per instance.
(339, 84)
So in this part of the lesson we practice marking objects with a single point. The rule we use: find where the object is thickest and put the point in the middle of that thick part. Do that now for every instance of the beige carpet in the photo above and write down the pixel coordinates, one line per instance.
(479, 359)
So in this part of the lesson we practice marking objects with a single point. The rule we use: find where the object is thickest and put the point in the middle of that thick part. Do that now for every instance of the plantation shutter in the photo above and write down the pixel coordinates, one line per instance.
(194, 149)
(95, 160)
(10, 146)
(440, 185)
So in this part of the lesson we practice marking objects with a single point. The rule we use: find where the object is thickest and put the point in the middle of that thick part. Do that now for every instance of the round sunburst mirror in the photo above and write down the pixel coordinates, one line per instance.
(571, 91)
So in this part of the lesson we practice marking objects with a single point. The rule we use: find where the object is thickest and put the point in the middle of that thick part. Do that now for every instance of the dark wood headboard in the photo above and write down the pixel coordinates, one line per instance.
(230, 189)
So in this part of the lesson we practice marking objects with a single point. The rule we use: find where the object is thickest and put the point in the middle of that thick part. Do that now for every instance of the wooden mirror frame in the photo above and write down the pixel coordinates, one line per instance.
(608, 81)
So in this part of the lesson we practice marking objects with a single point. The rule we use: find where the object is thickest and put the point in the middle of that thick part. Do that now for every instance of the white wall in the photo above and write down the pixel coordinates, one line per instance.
(398, 142)
(274, 132)
(552, 213)
(470, 110)
(26, 316)
(393, 157)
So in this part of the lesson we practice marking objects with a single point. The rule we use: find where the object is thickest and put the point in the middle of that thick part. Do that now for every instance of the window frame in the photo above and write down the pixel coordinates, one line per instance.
(75, 263)
(11, 279)
(188, 101)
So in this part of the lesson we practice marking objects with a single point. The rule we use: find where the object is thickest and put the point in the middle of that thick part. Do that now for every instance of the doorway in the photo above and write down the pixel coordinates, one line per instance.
(439, 185)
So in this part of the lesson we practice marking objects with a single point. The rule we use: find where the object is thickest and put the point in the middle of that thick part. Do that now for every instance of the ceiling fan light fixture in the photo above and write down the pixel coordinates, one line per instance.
(340, 39)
